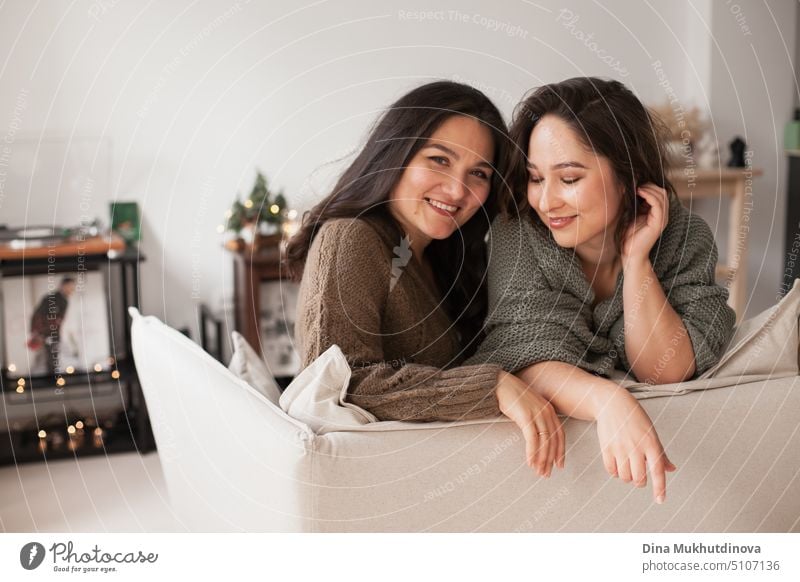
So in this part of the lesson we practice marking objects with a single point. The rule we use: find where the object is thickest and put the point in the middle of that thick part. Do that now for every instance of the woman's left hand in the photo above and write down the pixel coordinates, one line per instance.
(647, 228)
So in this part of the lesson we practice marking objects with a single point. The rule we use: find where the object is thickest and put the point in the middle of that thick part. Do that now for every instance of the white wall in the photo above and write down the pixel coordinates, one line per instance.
(752, 94)
(187, 99)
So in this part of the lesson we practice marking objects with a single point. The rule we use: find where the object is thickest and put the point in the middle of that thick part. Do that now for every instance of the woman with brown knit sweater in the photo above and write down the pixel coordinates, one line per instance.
(392, 265)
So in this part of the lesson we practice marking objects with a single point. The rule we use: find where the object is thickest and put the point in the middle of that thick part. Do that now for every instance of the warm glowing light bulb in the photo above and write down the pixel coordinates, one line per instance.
(98, 368)
(70, 370)
(20, 389)
(115, 374)
(12, 368)
(42, 434)
(71, 429)
(274, 209)
(61, 381)
(98, 431)
(292, 214)
(21, 381)
(248, 203)
(79, 424)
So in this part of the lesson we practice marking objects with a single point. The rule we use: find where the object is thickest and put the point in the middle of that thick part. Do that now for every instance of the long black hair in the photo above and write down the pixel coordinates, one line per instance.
(363, 190)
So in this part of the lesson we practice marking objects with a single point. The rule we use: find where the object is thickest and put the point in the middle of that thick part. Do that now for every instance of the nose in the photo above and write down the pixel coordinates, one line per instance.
(549, 197)
(455, 187)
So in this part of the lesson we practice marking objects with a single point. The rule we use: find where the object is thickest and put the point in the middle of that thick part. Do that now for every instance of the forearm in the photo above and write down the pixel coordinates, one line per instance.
(657, 344)
(571, 391)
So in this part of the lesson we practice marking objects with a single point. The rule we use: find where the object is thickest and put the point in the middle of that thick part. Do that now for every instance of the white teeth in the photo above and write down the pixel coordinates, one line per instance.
(442, 205)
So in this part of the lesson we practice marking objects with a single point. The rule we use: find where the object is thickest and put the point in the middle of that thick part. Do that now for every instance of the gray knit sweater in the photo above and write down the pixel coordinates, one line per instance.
(541, 305)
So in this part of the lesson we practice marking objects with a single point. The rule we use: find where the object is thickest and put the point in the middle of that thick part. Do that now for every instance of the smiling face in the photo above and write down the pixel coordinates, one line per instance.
(445, 183)
(572, 189)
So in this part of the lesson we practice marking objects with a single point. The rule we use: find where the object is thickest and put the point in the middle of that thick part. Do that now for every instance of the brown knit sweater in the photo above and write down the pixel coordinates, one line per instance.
(363, 291)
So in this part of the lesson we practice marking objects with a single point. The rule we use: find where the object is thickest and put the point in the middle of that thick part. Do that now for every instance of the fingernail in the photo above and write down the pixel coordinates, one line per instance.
(660, 499)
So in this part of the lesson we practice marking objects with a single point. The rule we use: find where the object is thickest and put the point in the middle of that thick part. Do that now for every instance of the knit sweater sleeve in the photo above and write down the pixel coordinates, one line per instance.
(685, 264)
(347, 281)
(529, 322)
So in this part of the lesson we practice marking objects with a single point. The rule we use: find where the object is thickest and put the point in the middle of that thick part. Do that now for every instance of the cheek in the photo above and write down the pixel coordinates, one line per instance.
(533, 196)
(416, 181)
(480, 194)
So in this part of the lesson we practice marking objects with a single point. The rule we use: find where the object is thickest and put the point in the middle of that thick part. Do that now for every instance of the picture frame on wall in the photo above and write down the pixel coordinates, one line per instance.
(55, 324)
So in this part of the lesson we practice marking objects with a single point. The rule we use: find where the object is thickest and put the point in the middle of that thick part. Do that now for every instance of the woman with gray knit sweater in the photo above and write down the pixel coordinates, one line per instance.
(393, 265)
(601, 268)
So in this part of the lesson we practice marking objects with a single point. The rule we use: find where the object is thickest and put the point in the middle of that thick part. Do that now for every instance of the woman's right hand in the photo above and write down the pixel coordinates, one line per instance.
(544, 435)
(629, 443)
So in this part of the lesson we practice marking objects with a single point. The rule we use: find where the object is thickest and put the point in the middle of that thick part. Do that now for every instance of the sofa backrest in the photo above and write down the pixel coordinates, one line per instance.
(232, 460)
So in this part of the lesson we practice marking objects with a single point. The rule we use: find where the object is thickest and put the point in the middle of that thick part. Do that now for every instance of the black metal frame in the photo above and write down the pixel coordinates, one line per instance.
(206, 318)
(139, 435)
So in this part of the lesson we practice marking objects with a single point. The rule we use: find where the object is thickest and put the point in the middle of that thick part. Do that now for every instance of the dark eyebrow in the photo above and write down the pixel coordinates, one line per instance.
(561, 166)
(450, 152)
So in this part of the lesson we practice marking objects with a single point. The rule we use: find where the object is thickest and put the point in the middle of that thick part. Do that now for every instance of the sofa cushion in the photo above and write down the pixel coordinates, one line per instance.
(317, 396)
(249, 366)
(232, 460)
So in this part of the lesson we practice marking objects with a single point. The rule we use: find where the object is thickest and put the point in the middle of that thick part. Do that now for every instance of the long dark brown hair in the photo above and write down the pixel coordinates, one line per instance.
(363, 190)
(611, 121)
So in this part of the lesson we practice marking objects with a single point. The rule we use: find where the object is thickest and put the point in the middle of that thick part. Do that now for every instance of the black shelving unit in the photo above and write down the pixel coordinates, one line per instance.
(116, 429)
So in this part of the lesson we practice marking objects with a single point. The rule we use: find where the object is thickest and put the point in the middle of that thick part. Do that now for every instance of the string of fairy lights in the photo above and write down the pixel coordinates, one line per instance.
(77, 431)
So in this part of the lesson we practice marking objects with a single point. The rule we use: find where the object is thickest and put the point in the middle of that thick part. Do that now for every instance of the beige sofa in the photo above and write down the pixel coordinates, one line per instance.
(234, 460)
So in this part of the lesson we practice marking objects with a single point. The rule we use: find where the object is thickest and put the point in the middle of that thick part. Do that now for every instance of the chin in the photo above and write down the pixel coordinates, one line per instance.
(440, 232)
(567, 242)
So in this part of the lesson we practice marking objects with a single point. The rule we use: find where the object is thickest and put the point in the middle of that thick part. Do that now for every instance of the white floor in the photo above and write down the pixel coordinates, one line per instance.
(117, 493)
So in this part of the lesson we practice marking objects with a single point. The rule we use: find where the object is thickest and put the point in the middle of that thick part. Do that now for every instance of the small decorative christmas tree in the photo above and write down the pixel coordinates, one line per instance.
(261, 207)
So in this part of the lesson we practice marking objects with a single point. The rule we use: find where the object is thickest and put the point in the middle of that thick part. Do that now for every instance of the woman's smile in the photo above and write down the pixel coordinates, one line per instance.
(560, 221)
(444, 209)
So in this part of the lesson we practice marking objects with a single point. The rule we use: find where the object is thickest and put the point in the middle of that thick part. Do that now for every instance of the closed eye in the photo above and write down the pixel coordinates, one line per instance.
(535, 180)
(569, 180)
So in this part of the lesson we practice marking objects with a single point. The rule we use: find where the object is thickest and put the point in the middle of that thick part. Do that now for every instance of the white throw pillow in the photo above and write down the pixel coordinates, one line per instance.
(317, 395)
(248, 365)
(765, 344)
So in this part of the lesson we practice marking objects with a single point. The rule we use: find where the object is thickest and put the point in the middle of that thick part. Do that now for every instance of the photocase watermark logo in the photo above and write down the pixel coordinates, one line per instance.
(67, 558)
(402, 253)
(31, 555)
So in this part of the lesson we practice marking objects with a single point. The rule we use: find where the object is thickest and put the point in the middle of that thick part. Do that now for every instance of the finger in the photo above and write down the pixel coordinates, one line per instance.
(544, 448)
(610, 463)
(531, 443)
(552, 453)
(657, 191)
(562, 444)
(638, 470)
(659, 200)
(624, 469)
(656, 463)
(668, 465)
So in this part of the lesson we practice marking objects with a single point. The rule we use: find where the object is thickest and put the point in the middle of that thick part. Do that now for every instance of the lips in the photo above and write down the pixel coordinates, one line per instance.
(560, 221)
(441, 207)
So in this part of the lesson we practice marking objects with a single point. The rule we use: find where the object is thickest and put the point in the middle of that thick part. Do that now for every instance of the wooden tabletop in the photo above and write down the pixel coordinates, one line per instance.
(96, 245)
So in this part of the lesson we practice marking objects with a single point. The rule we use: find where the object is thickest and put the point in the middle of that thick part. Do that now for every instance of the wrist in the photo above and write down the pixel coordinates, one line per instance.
(602, 396)
(631, 266)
